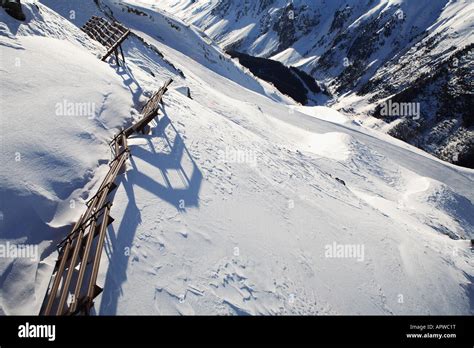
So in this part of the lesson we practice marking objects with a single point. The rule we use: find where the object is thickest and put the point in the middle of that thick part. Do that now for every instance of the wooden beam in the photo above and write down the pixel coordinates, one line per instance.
(114, 46)
(149, 111)
(109, 35)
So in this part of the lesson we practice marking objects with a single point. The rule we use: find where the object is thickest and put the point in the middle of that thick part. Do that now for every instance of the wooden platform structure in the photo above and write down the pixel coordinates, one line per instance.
(72, 288)
(108, 34)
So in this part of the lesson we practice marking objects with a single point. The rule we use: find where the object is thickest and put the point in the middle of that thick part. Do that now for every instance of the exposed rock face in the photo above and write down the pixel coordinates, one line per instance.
(365, 53)
(13, 8)
(445, 126)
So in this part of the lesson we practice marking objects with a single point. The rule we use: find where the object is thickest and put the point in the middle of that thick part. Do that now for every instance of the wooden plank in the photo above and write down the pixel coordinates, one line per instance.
(150, 110)
(70, 271)
(97, 256)
(57, 279)
(114, 46)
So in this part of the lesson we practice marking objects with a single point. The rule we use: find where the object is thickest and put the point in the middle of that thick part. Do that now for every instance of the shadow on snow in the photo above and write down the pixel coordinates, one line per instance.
(182, 197)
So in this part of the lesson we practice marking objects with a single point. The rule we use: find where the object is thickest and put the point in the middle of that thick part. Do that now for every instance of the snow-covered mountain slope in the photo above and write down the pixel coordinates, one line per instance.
(365, 52)
(59, 104)
(238, 202)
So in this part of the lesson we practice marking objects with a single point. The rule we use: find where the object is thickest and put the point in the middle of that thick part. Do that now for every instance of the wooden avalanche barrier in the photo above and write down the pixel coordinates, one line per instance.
(72, 288)
(110, 35)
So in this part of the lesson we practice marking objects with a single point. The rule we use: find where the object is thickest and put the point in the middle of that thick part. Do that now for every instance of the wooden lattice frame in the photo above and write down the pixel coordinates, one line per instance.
(108, 34)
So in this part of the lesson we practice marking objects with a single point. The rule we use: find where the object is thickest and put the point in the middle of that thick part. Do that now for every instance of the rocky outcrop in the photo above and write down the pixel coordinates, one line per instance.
(13, 8)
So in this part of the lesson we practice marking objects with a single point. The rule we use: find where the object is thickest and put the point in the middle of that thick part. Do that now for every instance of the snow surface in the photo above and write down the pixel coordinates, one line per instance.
(47, 153)
(230, 204)
(321, 112)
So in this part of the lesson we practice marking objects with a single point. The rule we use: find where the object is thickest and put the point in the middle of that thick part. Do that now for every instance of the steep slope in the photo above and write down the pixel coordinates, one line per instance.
(367, 53)
(237, 203)
(59, 108)
(59, 105)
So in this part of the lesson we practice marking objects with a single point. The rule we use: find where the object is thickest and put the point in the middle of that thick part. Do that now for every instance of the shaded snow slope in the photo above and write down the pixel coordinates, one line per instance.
(233, 202)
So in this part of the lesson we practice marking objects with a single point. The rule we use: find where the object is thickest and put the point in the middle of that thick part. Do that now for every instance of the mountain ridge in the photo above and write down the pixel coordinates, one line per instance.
(365, 53)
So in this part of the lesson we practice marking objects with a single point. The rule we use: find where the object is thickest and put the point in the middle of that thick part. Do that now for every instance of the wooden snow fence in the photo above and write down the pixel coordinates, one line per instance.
(72, 288)
(109, 34)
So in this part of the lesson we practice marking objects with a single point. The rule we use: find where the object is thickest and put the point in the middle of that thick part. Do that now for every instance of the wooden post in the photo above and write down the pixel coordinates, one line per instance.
(121, 52)
(116, 57)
